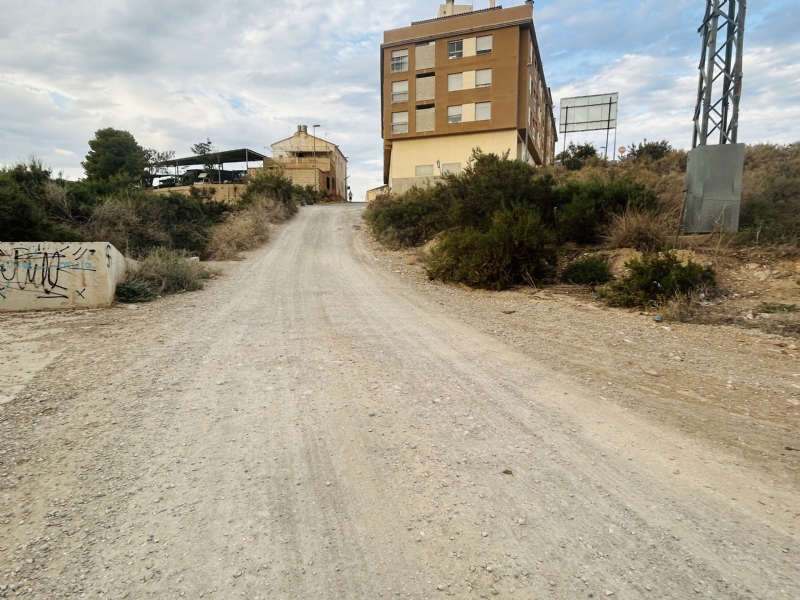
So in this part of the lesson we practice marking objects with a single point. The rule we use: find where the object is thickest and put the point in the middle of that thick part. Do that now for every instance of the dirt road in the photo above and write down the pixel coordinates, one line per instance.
(317, 425)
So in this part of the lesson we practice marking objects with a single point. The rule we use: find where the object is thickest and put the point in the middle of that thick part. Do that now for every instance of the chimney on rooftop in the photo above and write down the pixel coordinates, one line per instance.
(450, 8)
(302, 129)
(491, 3)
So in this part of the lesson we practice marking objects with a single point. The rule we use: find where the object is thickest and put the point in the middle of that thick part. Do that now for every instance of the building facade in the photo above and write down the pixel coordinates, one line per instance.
(309, 160)
(467, 79)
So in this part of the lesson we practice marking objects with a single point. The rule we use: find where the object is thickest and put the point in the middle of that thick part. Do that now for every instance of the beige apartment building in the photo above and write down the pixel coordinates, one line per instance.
(309, 160)
(466, 79)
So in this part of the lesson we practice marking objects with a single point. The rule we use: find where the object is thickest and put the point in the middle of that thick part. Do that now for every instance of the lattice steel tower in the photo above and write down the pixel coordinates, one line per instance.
(720, 72)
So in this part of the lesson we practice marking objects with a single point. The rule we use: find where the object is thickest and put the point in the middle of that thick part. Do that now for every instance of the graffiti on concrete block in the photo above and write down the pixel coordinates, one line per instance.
(48, 274)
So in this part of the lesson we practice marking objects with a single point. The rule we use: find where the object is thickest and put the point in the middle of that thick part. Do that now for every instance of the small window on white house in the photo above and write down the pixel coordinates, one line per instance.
(483, 78)
(454, 114)
(399, 91)
(483, 111)
(455, 82)
(455, 49)
(423, 171)
(399, 61)
(454, 168)
(400, 122)
(483, 45)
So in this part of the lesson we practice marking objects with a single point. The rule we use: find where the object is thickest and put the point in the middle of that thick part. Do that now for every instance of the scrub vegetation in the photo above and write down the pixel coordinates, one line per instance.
(161, 230)
(502, 223)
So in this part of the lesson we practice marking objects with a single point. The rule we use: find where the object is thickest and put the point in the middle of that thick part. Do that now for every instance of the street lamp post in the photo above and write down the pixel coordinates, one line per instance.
(316, 176)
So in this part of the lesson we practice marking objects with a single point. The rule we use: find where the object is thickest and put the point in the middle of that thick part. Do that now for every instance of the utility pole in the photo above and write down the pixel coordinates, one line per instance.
(316, 175)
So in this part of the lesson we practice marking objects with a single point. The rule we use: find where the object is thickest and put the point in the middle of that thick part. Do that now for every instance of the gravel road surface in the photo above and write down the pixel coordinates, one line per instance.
(315, 424)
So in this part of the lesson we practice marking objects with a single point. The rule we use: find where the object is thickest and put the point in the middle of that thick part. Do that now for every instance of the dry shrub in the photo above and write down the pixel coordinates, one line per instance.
(680, 307)
(169, 271)
(118, 222)
(244, 230)
(642, 230)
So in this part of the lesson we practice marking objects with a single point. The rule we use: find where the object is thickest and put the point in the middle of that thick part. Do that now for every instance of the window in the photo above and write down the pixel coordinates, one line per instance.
(328, 182)
(399, 61)
(483, 111)
(483, 78)
(455, 82)
(399, 91)
(400, 122)
(483, 44)
(454, 114)
(423, 171)
(455, 49)
(454, 168)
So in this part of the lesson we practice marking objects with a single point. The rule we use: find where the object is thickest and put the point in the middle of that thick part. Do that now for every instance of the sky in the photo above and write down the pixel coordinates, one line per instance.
(245, 73)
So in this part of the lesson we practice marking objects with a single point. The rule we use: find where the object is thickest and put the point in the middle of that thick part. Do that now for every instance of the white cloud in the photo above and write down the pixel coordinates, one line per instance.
(246, 72)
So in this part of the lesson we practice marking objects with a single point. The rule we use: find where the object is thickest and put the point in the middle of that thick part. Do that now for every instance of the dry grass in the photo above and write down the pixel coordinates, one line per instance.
(642, 230)
(169, 271)
(244, 230)
(118, 222)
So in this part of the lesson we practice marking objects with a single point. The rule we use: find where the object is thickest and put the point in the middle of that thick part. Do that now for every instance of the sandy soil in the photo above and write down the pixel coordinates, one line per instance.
(324, 422)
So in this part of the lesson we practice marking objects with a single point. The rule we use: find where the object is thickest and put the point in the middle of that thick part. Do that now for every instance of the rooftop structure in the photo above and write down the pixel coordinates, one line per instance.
(466, 79)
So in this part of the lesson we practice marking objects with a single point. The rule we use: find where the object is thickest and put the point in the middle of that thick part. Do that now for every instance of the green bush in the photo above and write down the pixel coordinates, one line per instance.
(136, 221)
(586, 207)
(575, 157)
(771, 194)
(25, 193)
(517, 248)
(409, 220)
(649, 151)
(274, 185)
(657, 278)
(592, 270)
(131, 292)
(169, 271)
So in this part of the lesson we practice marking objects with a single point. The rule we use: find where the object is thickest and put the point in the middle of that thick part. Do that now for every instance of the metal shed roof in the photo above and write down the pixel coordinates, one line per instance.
(227, 156)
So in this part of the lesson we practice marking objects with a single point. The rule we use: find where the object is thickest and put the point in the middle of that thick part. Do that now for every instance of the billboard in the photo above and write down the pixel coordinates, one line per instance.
(589, 113)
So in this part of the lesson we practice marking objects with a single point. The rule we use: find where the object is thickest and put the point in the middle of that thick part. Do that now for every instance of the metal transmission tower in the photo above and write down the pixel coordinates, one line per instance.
(720, 72)
(714, 171)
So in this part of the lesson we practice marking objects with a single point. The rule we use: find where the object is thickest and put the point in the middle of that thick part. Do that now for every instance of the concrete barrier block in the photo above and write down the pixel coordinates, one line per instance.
(56, 276)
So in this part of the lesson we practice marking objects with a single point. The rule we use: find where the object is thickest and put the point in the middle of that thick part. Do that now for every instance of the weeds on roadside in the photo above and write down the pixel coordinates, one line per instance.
(169, 271)
(655, 279)
(777, 308)
(645, 231)
(132, 292)
(244, 230)
(591, 270)
(516, 249)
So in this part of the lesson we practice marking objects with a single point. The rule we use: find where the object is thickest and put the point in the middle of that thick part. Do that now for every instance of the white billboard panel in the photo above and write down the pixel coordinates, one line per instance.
(589, 113)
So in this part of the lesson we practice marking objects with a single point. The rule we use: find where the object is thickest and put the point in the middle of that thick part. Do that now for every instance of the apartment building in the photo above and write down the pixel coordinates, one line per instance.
(466, 79)
(309, 160)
